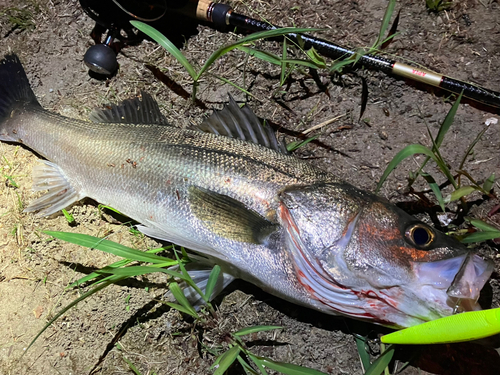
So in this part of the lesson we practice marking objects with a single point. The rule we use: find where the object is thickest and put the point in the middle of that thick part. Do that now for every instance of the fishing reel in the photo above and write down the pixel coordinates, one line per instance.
(112, 17)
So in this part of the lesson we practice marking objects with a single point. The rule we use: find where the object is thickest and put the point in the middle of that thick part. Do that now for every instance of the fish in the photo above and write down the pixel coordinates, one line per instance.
(230, 192)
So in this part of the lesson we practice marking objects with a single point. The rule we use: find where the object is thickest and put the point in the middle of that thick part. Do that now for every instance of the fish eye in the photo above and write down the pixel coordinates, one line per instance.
(420, 235)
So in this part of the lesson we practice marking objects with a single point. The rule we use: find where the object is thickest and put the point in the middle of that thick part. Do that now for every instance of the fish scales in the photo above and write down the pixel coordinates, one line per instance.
(265, 216)
(130, 166)
(163, 156)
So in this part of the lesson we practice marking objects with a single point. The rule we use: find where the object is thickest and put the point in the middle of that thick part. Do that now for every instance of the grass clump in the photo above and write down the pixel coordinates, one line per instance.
(453, 178)
(133, 265)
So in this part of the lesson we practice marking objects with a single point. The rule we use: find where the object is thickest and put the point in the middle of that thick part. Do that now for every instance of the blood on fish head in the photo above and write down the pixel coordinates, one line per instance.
(361, 256)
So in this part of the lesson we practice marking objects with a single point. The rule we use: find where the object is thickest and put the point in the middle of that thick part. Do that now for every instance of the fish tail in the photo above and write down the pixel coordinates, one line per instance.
(15, 92)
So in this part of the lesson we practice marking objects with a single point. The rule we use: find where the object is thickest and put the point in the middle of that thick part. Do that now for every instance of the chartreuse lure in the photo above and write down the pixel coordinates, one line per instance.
(466, 326)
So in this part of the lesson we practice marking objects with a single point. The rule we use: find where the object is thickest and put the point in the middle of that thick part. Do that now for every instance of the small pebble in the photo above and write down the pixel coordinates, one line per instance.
(491, 121)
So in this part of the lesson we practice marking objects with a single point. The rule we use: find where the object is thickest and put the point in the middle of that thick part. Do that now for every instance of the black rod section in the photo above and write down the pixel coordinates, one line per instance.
(222, 15)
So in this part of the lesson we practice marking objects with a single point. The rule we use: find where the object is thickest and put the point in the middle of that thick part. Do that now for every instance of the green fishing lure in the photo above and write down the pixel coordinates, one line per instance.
(466, 326)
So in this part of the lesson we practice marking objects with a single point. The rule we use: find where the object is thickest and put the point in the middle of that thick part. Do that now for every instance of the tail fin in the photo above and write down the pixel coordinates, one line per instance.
(14, 86)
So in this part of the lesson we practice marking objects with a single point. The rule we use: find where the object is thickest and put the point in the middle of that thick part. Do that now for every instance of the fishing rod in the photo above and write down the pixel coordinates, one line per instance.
(222, 15)
(101, 59)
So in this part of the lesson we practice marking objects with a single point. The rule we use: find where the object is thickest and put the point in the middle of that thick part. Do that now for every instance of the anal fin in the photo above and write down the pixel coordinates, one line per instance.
(49, 176)
(200, 278)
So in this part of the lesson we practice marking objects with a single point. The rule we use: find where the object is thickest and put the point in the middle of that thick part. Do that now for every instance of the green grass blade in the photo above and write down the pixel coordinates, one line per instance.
(362, 352)
(339, 64)
(246, 367)
(227, 360)
(248, 39)
(400, 156)
(120, 263)
(295, 145)
(481, 236)
(100, 207)
(439, 159)
(471, 147)
(385, 24)
(187, 278)
(212, 281)
(444, 167)
(225, 80)
(316, 58)
(470, 178)
(69, 218)
(141, 270)
(132, 366)
(443, 129)
(182, 309)
(181, 298)
(435, 189)
(258, 363)
(262, 55)
(11, 180)
(276, 60)
(254, 329)
(460, 192)
(381, 363)
(284, 65)
(163, 41)
(450, 116)
(488, 184)
(107, 246)
(479, 224)
(288, 368)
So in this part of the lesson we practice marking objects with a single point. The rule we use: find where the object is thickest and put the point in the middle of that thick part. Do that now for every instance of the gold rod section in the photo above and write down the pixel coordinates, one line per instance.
(420, 75)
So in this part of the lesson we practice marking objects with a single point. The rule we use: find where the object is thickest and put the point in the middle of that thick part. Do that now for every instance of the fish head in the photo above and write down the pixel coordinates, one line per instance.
(361, 256)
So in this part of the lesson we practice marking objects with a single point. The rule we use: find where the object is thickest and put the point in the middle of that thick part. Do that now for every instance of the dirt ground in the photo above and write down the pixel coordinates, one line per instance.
(126, 321)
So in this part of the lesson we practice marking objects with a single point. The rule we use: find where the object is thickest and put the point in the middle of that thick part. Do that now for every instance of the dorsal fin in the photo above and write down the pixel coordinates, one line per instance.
(131, 111)
(235, 122)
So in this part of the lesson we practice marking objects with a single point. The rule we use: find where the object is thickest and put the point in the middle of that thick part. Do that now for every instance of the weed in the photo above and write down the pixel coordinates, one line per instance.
(19, 18)
(240, 44)
(69, 217)
(460, 191)
(127, 304)
(438, 5)
(118, 271)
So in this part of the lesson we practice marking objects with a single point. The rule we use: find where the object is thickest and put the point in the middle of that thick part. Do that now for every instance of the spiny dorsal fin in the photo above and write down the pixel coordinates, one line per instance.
(228, 217)
(131, 111)
(235, 122)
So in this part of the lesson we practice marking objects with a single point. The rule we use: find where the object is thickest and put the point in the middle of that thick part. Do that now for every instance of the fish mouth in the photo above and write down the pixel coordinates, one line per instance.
(458, 280)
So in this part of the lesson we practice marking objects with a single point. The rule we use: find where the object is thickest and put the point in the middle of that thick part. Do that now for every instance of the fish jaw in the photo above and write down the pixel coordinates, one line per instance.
(458, 281)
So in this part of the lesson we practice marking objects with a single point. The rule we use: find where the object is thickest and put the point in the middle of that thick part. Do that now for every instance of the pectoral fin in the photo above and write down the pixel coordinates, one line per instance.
(228, 217)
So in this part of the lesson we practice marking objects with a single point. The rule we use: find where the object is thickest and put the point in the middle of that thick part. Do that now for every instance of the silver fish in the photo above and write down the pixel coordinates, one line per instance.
(233, 195)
